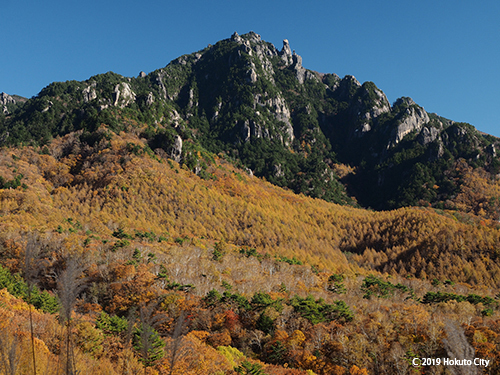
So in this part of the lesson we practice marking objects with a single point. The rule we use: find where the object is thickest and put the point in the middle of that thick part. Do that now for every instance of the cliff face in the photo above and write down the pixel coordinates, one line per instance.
(8, 102)
(6, 99)
(261, 106)
(410, 118)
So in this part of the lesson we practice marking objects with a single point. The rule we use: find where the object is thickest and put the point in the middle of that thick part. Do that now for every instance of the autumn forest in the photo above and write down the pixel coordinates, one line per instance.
(170, 273)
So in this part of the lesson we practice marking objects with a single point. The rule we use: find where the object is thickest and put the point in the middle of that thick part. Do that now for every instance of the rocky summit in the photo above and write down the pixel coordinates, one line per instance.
(315, 133)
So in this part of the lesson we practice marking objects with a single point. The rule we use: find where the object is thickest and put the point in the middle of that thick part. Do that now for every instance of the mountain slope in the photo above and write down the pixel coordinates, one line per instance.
(227, 269)
(121, 185)
(262, 108)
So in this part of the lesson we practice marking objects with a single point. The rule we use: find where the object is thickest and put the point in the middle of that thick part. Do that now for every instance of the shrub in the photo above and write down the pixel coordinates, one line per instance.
(111, 324)
(373, 286)
(317, 311)
(336, 284)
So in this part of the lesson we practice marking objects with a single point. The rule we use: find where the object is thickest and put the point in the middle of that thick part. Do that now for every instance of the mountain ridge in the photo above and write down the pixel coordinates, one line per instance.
(259, 105)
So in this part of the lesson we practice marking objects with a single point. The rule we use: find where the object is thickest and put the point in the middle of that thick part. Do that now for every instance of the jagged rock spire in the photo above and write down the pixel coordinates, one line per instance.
(286, 52)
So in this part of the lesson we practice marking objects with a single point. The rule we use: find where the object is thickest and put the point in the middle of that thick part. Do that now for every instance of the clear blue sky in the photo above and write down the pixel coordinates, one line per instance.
(444, 54)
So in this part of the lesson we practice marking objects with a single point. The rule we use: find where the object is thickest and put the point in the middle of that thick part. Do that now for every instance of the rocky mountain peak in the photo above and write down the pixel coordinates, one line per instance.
(253, 37)
(5, 100)
(347, 87)
(370, 104)
(236, 38)
(410, 117)
(286, 53)
(404, 101)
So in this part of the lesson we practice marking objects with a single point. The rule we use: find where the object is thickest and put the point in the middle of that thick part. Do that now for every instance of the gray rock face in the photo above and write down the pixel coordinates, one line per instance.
(439, 152)
(281, 112)
(123, 95)
(6, 99)
(492, 150)
(329, 86)
(176, 150)
(413, 118)
(236, 38)
(89, 93)
(49, 106)
(300, 71)
(150, 99)
(256, 130)
(278, 170)
(253, 46)
(459, 131)
(254, 38)
(192, 102)
(252, 74)
(246, 131)
(252, 129)
(263, 52)
(175, 118)
(197, 57)
(286, 53)
(428, 135)
(368, 116)
(161, 85)
(217, 111)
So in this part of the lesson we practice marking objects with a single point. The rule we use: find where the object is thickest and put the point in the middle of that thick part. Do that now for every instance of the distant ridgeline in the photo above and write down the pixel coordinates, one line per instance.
(317, 134)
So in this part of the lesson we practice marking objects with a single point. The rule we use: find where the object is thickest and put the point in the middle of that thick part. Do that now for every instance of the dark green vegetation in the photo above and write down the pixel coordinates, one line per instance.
(374, 286)
(263, 111)
(18, 287)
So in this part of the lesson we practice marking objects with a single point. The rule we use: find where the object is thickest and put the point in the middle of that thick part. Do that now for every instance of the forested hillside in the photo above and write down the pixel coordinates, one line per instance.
(227, 271)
